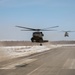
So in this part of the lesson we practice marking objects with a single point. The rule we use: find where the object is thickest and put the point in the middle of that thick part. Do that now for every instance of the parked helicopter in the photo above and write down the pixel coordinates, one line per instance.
(38, 34)
(67, 33)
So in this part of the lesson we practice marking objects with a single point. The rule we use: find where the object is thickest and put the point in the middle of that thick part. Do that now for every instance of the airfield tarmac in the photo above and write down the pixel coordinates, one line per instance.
(57, 61)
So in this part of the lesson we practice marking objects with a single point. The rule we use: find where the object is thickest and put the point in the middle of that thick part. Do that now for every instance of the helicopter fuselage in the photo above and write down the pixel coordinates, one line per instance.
(37, 37)
(66, 34)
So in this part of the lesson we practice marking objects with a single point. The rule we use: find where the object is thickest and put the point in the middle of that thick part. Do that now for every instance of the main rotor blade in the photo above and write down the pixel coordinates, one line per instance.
(51, 27)
(39, 30)
(67, 31)
(26, 28)
(48, 30)
(32, 29)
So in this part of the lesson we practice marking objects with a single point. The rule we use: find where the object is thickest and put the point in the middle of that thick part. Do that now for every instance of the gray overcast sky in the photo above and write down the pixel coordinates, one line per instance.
(36, 14)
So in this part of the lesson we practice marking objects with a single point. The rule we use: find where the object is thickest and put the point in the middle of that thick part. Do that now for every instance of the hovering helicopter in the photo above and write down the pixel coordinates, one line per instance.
(38, 34)
(67, 33)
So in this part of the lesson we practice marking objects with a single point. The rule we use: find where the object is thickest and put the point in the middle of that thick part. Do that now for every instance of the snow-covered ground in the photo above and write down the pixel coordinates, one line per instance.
(10, 52)
(18, 51)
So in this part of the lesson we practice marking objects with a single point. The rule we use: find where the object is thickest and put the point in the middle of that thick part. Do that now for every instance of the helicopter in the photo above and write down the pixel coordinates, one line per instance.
(67, 33)
(37, 35)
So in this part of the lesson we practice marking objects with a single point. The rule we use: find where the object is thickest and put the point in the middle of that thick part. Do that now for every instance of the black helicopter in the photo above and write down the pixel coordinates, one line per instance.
(67, 33)
(38, 34)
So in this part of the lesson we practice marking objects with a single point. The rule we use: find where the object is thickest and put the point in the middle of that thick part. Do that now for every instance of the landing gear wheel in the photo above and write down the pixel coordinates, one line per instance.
(32, 40)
